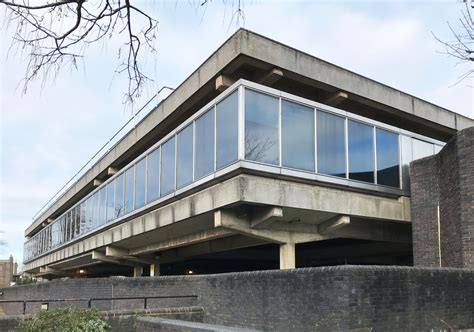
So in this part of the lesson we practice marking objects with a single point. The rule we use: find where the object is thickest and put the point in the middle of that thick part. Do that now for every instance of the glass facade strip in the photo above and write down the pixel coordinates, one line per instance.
(388, 163)
(261, 128)
(361, 151)
(227, 130)
(129, 189)
(168, 151)
(331, 148)
(184, 163)
(204, 145)
(140, 183)
(295, 137)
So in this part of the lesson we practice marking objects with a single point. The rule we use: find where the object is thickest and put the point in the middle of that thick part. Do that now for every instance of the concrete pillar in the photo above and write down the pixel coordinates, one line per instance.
(287, 256)
(137, 271)
(154, 270)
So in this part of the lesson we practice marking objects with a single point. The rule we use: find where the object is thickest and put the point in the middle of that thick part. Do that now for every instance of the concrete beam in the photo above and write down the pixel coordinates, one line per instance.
(182, 241)
(48, 270)
(137, 271)
(333, 225)
(266, 216)
(336, 98)
(111, 171)
(271, 77)
(228, 220)
(97, 182)
(223, 82)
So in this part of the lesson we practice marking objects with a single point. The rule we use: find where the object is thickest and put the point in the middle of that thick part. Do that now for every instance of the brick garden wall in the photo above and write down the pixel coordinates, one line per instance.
(325, 298)
(445, 180)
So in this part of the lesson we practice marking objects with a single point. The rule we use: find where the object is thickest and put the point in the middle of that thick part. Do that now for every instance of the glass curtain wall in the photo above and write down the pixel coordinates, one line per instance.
(278, 132)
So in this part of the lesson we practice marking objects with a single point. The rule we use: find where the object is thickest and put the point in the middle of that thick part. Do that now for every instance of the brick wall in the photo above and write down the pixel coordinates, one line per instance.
(445, 180)
(325, 298)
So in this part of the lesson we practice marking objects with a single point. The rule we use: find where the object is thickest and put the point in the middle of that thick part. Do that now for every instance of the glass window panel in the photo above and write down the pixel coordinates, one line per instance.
(67, 226)
(407, 157)
(77, 218)
(297, 135)
(388, 164)
(153, 175)
(204, 156)
(88, 204)
(261, 128)
(227, 130)
(119, 183)
(437, 148)
(140, 183)
(110, 200)
(83, 217)
(422, 149)
(129, 181)
(102, 205)
(167, 166)
(95, 209)
(361, 151)
(331, 144)
(184, 166)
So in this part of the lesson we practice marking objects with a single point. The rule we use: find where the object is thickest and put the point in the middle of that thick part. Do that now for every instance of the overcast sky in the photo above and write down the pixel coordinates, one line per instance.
(47, 134)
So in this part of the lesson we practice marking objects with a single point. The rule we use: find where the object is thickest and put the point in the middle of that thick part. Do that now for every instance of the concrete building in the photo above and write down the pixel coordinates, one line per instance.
(8, 269)
(265, 157)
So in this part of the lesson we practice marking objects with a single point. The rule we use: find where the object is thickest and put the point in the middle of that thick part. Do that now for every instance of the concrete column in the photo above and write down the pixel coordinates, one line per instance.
(287, 256)
(154, 270)
(137, 271)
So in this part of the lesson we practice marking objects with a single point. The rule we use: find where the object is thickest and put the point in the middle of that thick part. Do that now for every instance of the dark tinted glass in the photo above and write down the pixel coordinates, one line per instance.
(331, 144)
(167, 167)
(227, 130)
(153, 175)
(204, 157)
(361, 152)
(261, 127)
(297, 134)
(184, 167)
(388, 165)
(140, 183)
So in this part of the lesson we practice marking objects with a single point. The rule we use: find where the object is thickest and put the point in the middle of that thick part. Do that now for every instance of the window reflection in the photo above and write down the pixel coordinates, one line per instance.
(297, 134)
(361, 151)
(388, 165)
(331, 144)
(422, 149)
(184, 167)
(153, 175)
(204, 155)
(261, 128)
(119, 184)
(167, 166)
(227, 130)
(102, 206)
(140, 181)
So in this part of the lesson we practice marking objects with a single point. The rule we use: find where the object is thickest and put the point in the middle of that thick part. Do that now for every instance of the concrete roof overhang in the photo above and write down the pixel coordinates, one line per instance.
(251, 56)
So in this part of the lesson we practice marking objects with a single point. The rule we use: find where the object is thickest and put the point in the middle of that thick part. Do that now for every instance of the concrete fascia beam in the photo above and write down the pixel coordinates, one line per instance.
(266, 216)
(332, 225)
(97, 182)
(223, 82)
(111, 171)
(336, 98)
(44, 270)
(272, 77)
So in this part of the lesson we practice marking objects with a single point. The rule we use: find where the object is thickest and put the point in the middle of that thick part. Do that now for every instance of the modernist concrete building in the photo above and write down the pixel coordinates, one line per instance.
(265, 157)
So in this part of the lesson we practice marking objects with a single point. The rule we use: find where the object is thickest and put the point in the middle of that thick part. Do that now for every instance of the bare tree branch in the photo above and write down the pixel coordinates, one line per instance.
(462, 46)
(55, 34)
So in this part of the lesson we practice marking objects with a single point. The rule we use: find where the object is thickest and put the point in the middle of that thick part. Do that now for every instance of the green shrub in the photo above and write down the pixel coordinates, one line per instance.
(74, 320)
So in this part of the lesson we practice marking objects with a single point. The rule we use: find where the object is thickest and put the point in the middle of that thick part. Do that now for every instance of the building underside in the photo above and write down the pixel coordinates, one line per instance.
(280, 204)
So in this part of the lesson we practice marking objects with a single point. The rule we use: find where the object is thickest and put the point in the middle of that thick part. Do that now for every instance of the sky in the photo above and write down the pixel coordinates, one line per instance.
(47, 134)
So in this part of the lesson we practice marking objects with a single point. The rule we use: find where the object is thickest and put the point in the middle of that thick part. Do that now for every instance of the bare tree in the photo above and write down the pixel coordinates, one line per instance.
(461, 46)
(56, 33)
